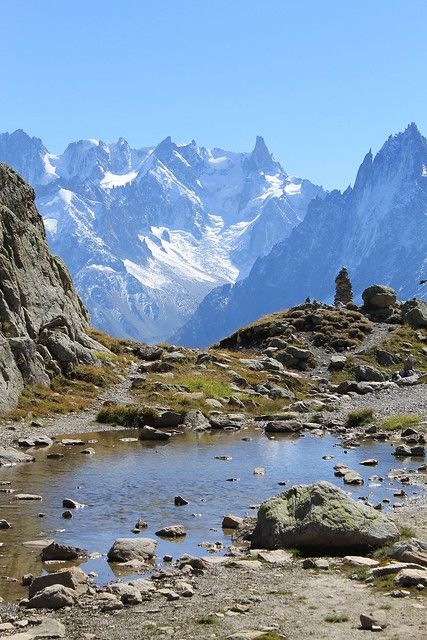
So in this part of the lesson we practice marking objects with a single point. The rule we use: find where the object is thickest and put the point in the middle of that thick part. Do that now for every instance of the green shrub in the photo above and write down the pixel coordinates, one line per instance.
(394, 423)
(360, 417)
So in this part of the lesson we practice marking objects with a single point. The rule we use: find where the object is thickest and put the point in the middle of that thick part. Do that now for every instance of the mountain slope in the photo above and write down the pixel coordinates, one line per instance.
(148, 233)
(378, 229)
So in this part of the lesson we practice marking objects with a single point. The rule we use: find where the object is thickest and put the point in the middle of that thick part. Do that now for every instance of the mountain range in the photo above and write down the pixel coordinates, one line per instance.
(377, 229)
(148, 233)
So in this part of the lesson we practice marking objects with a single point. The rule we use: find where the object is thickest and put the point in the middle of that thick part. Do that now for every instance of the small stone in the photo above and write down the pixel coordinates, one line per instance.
(179, 501)
(259, 471)
(27, 496)
(370, 462)
(368, 621)
(67, 515)
(231, 522)
(4, 524)
(67, 503)
(172, 531)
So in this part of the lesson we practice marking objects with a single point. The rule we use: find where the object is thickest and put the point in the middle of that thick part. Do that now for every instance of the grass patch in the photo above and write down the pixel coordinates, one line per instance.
(99, 376)
(206, 620)
(127, 415)
(402, 421)
(336, 617)
(118, 346)
(210, 387)
(360, 417)
(406, 533)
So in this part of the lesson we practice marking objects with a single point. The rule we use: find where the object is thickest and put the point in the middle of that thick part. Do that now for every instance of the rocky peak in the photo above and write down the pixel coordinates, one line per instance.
(26, 154)
(42, 319)
(261, 159)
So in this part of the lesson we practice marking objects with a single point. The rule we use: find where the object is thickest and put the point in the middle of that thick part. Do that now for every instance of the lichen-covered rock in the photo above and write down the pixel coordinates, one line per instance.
(42, 319)
(320, 515)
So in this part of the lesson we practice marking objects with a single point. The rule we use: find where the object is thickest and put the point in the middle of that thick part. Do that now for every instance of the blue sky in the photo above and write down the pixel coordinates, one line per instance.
(321, 80)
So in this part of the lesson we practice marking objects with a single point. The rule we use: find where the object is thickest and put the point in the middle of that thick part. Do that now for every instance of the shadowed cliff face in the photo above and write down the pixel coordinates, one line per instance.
(42, 319)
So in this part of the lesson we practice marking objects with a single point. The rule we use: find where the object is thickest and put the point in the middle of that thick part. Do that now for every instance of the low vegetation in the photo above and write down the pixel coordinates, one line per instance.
(333, 328)
(360, 417)
(81, 388)
(336, 617)
(402, 421)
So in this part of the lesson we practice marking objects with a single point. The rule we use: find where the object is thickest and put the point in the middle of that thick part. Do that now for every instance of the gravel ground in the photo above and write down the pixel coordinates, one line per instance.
(294, 601)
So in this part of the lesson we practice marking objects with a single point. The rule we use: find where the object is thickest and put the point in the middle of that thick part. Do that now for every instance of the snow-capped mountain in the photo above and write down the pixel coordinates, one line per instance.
(147, 233)
(378, 229)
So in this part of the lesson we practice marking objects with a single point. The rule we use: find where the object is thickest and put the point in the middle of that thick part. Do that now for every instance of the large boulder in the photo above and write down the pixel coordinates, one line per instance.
(414, 313)
(320, 515)
(378, 297)
(126, 549)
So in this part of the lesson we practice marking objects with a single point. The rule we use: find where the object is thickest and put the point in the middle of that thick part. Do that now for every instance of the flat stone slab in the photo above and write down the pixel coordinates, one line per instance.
(361, 561)
(395, 567)
(277, 556)
(10, 456)
(245, 564)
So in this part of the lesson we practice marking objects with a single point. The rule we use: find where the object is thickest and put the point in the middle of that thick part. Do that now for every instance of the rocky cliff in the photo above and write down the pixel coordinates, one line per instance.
(42, 319)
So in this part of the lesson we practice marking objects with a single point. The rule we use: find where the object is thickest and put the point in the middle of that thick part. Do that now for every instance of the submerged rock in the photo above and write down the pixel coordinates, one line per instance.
(57, 551)
(10, 456)
(320, 515)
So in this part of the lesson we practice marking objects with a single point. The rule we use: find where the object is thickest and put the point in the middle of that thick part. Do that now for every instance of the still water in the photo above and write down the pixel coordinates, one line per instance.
(125, 481)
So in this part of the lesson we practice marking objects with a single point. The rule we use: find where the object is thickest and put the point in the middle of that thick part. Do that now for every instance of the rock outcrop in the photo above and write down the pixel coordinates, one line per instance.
(320, 515)
(42, 319)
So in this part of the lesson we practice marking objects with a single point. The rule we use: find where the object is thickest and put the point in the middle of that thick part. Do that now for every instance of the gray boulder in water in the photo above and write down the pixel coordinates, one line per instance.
(320, 515)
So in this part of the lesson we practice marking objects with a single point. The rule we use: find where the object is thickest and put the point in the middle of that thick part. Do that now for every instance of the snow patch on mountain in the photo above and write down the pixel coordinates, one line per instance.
(147, 233)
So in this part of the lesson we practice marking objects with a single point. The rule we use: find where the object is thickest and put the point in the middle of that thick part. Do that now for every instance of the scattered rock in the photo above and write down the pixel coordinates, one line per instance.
(231, 522)
(125, 549)
(150, 433)
(283, 426)
(58, 551)
(172, 531)
(411, 578)
(67, 503)
(54, 597)
(372, 622)
(73, 578)
(179, 501)
(10, 456)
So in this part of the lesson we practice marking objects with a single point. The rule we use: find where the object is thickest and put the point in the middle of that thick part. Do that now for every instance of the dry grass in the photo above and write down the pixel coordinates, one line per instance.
(213, 382)
(333, 328)
(81, 388)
